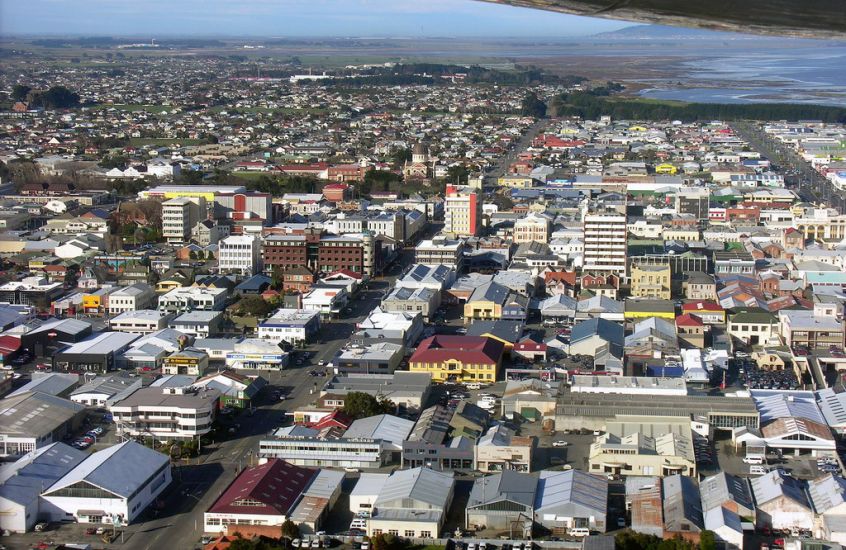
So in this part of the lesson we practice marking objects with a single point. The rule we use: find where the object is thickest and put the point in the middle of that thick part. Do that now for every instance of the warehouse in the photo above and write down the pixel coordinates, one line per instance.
(34, 420)
(94, 354)
(45, 340)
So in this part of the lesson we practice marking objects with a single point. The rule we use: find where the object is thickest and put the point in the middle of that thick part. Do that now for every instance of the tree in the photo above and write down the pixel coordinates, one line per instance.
(20, 92)
(210, 255)
(533, 106)
(254, 305)
(113, 161)
(290, 530)
(400, 155)
(707, 540)
(361, 405)
(389, 542)
(457, 174)
(57, 97)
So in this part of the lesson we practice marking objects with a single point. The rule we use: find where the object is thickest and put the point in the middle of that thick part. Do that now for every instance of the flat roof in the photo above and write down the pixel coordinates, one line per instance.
(608, 405)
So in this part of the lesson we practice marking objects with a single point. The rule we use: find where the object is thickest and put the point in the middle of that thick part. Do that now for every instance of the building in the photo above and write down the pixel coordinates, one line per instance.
(682, 507)
(500, 450)
(190, 361)
(462, 211)
(752, 327)
(818, 328)
(255, 353)
(728, 263)
(102, 391)
(33, 420)
(166, 413)
(421, 300)
(644, 446)
(32, 291)
(458, 358)
(492, 301)
(651, 281)
(781, 502)
(240, 254)
(237, 390)
(265, 494)
(431, 444)
(50, 383)
(294, 326)
(26, 478)
(604, 236)
(503, 502)
(94, 354)
(699, 286)
(180, 215)
(182, 299)
(200, 324)
(533, 227)
(397, 327)
(694, 201)
(112, 485)
(365, 493)
(412, 503)
(351, 252)
(306, 447)
(571, 499)
(141, 321)
(440, 251)
(131, 298)
(405, 389)
(379, 358)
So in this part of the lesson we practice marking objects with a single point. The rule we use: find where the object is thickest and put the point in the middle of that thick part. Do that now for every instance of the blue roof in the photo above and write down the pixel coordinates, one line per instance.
(256, 283)
(31, 474)
(607, 330)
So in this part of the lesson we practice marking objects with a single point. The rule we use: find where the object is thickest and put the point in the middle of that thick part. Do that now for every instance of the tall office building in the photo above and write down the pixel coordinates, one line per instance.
(693, 200)
(605, 242)
(179, 216)
(462, 211)
(240, 254)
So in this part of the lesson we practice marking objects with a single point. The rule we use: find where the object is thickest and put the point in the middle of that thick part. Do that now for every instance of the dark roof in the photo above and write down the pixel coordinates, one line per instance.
(505, 330)
(256, 283)
(276, 484)
(605, 329)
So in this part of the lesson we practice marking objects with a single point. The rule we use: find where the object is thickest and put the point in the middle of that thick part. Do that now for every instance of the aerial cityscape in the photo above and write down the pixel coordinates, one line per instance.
(411, 289)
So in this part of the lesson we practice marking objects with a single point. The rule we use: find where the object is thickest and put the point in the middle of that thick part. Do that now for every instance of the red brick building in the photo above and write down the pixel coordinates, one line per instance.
(336, 192)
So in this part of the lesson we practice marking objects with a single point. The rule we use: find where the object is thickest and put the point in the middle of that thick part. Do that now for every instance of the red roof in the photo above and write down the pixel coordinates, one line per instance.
(688, 320)
(9, 345)
(276, 484)
(336, 418)
(702, 305)
(346, 273)
(467, 349)
(528, 344)
(336, 186)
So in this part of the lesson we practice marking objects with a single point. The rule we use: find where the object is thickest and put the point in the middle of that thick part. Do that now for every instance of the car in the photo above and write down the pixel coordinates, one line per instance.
(315, 543)
(92, 531)
(97, 431)
(321, 363)
(295, 543)
(559, 443)
(41, 526)
(205, 540)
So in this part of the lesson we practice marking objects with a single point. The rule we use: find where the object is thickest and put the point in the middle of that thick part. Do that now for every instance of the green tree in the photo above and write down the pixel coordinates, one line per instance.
(457, 174)
(57, 97)
(361, 405)
(210, 255)
(254, 305)
(113, 161)
(707, 540)
(290, 530)
(20, 92)
(192, 255)
(533, 106)
(400, 155)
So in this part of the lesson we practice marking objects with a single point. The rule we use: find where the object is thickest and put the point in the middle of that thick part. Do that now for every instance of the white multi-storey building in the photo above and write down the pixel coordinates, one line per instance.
(166, 413)
(240, 254)
(605, 243)
(131, 298)
(190, 298)
(179, 216)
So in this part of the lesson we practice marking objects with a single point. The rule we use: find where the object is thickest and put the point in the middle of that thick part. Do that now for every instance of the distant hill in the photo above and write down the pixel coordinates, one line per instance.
(660, 32)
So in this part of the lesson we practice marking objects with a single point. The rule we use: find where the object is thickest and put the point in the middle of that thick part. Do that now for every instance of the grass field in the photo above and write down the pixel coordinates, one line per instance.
(250, 176)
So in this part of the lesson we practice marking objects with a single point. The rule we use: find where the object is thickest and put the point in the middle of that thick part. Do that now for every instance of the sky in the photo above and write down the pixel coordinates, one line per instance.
(281, 18)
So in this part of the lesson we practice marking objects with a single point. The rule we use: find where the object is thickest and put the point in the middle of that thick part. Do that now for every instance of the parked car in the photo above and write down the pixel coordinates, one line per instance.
(559, 443)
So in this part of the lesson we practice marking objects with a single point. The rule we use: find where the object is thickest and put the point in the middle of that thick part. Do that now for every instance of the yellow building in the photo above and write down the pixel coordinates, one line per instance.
(666, 169)
(642, 308)
(463, 359)
(651, 281)
(516, 182)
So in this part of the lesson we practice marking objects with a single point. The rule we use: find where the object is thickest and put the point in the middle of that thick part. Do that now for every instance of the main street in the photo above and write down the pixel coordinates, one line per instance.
(500, 167)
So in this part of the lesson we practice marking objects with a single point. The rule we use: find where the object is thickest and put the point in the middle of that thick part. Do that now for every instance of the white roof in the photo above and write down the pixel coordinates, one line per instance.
(102, 343)
(386, 427)
(369, 484)
(833, 407)
(773, 405)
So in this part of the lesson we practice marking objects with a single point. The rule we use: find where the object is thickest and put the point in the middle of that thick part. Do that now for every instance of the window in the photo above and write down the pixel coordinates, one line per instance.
(394, 532)
(409, 533)
(426, 534)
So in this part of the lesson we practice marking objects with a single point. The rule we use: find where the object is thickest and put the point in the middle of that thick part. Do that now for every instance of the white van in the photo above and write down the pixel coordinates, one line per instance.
(358, 523)
(578, 531)
(473, 386)
(757, 470)
(753, 460)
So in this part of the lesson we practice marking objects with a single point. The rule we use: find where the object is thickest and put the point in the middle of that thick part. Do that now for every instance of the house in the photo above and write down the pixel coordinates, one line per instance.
(412, 503)
(781, 502)
(112, 485)
(571, 499)
(709, 311)
(458, 358)
(265, 494)
(752, 327)
(503, 502)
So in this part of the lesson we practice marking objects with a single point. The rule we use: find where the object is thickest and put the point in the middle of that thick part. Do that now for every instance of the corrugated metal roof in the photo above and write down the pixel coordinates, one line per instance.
(826, 492)
(682, 504)
(508, 485)
(22, 481)
(418, 484)
(558, 490)
(721, 488)
(386, 427)
(775, 484)
(120, 469)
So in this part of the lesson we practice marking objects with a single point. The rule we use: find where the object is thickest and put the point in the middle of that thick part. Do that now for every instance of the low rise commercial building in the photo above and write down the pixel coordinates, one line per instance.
(166, 413)
(380, 358)
(104, 390)
(200, 324)
(294, 326)
(33, 420)
(405, 389)
(503, 502)
(142, 321)
(190, 361)
(182, 299)
(94, 354)
(131, 298)
(458, 358)
(571, 499)
(412, 503)
(255, 353)
(500, 449)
